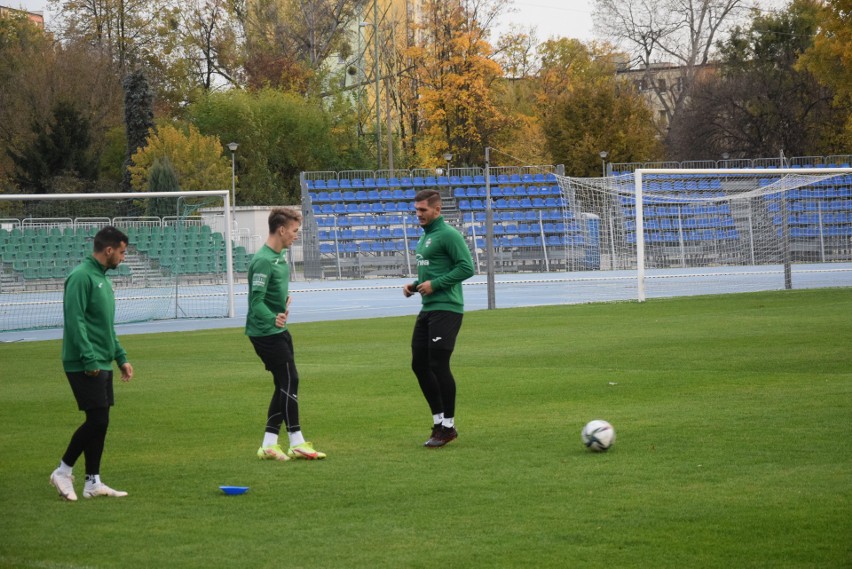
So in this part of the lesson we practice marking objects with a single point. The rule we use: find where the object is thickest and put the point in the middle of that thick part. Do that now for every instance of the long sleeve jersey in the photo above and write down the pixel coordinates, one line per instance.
(269, 282)
(443, 258)
(88, 338)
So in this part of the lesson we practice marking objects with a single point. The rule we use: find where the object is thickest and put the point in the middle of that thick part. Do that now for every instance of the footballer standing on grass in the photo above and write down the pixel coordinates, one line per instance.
(89, 346)
(266, 327)
(443, 262)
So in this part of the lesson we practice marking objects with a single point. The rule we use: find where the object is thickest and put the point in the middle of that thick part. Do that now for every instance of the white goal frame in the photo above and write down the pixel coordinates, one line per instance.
(225, 194)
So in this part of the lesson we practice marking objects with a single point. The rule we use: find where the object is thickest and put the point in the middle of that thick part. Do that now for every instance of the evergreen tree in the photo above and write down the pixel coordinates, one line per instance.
(60, 148)
(138, 118)
(162, 178)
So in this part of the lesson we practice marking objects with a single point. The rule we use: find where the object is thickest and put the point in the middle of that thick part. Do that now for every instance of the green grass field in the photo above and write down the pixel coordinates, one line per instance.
(733, 416)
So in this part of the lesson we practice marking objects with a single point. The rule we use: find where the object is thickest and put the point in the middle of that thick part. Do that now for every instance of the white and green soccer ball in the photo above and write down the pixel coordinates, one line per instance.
(598, 435)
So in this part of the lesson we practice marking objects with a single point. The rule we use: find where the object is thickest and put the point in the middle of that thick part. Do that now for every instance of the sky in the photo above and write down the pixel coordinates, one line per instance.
(568, 18)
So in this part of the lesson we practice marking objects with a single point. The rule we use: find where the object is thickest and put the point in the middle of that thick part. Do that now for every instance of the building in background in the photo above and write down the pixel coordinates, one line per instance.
(36, 18)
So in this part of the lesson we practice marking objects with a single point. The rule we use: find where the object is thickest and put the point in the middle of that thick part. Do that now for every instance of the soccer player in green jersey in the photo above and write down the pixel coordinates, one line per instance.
(89, 346)
(266, 327)
(443, 262)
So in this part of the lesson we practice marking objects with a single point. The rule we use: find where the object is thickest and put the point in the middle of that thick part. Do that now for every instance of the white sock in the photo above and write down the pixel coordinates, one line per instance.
(449, 422)
(437, 419)
(93, 479)
(270, 439)
(64, 468)
(296, 438)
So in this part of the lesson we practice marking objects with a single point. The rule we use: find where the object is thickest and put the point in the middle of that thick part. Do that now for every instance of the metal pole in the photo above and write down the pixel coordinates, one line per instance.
(378, 92)
(785, 244)
(640, 241)
(234, 183)
(489, 232)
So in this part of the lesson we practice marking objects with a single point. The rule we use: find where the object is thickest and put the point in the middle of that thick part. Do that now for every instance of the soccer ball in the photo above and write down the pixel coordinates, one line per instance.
(598, 435)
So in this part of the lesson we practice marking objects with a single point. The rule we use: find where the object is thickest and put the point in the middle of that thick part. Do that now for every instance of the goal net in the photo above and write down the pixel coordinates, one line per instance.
(706, 231)
(179, 261)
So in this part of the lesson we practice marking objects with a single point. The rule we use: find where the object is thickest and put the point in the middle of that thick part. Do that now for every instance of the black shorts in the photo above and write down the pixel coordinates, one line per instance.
(276, 351)
(437, 328)
(91, 392)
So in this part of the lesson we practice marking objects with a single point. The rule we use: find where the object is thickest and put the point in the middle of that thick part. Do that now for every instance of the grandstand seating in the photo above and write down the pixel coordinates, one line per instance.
(819, 218)
(49, 252)
(371, 218)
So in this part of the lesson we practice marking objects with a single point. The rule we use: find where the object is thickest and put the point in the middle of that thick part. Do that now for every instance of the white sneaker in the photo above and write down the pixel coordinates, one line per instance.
(101, 489)
(65, 484)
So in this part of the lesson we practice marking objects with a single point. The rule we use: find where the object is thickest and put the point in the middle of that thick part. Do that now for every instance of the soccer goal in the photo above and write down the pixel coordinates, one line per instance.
(179, 262)
(707, 231)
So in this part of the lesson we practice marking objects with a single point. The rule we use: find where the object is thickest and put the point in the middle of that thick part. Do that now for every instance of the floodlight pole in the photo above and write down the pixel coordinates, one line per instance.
(489, 233)
(232, 146)
(378, 92)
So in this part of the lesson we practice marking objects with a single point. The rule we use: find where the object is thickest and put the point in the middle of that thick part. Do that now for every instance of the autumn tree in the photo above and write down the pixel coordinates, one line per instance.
(201, 50)
(37, 75)
(760, 103)
(287, 42)
(829, 58)
(196, 160)
(279, 136)
(596, 112)
(128, 32)
(456, 107)
(682, 33)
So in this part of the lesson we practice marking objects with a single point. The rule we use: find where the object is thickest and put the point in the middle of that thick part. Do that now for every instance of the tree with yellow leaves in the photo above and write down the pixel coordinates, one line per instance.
(829, 59)
(457, 107)
(197, 160)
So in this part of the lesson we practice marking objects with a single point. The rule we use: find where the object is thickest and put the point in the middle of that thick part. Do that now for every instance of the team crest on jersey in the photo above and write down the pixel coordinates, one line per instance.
(259, 280)
(428, 242)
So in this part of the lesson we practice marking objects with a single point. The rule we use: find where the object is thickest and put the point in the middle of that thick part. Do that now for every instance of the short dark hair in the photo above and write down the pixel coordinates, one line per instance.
(281, 216)
(109, 236)
(431, 196)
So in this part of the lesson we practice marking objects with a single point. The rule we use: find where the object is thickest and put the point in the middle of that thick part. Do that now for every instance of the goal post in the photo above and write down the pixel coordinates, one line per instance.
(773, 185)
(714, 230)
(180, 261)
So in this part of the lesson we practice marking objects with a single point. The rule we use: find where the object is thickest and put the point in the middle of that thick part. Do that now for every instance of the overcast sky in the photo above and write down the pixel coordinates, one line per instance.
(552, 18)
(569, 18)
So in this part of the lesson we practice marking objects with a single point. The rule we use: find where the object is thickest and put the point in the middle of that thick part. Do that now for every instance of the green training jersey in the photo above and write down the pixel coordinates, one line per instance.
(443, 258)
(269, 281)
(88, 337)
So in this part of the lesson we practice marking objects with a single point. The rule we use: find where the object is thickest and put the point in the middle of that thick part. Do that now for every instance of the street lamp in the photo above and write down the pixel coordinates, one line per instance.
(232, 146)
(603, 155)
(448, 156)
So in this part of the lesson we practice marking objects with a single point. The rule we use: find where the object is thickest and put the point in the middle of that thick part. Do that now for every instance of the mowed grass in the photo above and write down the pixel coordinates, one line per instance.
(733, 416)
